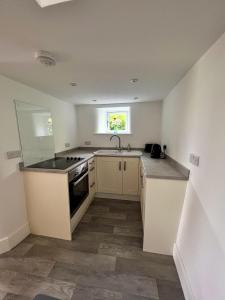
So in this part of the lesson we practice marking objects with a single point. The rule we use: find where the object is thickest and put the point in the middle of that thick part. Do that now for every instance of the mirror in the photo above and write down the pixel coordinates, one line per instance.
(36, 132)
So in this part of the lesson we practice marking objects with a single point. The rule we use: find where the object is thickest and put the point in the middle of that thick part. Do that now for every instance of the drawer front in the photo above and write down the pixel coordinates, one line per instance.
(92, 177)
(91, 163)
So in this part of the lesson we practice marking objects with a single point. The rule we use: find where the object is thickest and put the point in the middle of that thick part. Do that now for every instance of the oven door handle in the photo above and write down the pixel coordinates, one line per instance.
(79, 180)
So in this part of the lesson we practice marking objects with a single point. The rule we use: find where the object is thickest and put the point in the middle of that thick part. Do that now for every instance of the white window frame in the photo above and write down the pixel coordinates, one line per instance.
(102, 124)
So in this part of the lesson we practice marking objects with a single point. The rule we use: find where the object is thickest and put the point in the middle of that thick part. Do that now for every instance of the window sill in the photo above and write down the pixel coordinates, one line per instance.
(112, 133)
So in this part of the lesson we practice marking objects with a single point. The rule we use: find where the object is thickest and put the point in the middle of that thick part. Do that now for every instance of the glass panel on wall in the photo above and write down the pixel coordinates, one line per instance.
(35, 131)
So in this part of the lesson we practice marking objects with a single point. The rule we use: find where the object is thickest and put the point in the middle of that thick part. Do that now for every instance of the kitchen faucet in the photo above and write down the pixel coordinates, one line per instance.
(120, 148)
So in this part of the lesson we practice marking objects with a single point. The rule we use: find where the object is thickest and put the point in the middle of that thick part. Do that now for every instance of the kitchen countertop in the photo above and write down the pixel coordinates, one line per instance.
(152, 168)
(162, 168)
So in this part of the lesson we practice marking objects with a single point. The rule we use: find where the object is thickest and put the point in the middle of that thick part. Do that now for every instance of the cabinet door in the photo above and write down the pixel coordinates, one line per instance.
(109, 175)
(143, 196)
(130, 176)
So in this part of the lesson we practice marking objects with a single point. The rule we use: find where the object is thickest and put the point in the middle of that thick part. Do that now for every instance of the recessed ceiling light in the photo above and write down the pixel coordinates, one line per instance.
(136, 98)
(44, 3)
(133, 80)
(73, 83)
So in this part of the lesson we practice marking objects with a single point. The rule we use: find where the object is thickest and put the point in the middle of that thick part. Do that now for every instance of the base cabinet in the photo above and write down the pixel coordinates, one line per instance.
(142, 195)
(92, 178)
(47, 201)
(161, 203)
(117, 175)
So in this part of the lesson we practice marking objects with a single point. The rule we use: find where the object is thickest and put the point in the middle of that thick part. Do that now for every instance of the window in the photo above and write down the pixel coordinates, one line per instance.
(113, 120)
(117, 121)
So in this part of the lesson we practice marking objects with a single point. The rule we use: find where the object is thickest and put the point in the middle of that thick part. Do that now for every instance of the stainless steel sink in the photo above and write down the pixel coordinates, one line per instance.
(116, 152)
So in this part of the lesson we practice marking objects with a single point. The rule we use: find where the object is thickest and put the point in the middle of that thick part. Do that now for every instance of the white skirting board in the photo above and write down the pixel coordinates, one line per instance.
(117, 196)
(14, 238)
(183, 275)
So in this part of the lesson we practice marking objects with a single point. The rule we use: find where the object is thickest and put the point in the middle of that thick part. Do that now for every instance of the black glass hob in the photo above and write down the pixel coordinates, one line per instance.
(60, 163)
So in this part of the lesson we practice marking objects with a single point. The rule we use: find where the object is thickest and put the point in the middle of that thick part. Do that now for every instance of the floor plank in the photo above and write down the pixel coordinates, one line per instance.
(169, 291)
(37, 266)
(88, 260)
(147, 268)
(29, 286)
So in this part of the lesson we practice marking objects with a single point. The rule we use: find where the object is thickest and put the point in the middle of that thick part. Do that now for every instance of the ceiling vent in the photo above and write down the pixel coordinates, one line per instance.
(44, 3)
(45, 58)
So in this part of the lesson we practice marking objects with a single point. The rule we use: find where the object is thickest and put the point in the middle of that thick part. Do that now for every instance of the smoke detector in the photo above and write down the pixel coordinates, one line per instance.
(45, 58)
(44, 3)
(133, 80)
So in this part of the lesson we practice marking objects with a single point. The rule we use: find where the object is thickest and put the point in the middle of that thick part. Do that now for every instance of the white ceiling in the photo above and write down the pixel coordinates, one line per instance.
(101, 44)
(44, 3)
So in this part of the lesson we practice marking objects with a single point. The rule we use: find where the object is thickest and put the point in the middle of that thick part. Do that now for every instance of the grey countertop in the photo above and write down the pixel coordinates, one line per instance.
(152, 168)
(162, 168)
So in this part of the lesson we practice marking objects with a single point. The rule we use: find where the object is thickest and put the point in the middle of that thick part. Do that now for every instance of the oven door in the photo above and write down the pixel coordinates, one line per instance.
(78, 191)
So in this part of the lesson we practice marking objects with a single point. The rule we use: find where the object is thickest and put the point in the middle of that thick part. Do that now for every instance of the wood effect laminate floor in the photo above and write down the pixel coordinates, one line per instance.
(104, 261)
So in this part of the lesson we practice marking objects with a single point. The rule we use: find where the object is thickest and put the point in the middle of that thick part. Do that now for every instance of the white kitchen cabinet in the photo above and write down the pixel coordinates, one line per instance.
(142, 194)
(130, 176)
(118, 175)
(47, 201)
(92, 178)
(109, 175)
(161, 205)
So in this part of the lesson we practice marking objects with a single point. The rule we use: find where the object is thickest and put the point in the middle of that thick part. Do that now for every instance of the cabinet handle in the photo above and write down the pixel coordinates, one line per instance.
(142, 181)
(125, 166)
(93, 184)
(120, 165)
(92, 169)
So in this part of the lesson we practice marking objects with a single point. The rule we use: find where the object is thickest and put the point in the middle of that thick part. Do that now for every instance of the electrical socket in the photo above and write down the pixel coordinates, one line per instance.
(87, 143)
(191, 158)
(67, 145)
(194, 159)
(13, 154)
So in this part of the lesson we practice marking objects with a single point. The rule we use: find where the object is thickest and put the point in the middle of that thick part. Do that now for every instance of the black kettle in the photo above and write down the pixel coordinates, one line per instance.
(156, 151)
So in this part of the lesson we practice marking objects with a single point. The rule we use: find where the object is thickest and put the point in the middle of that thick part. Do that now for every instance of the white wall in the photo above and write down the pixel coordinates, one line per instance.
(12, 200)
(194, 122)
(145, 125)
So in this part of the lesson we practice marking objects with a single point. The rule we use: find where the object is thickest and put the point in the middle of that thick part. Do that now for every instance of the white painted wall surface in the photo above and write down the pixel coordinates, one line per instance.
(194, 122)
(12, 199)
(145, 125)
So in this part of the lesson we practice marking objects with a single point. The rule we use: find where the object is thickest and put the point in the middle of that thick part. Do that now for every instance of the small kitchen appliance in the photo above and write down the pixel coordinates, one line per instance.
(148, 148)
(156, 151)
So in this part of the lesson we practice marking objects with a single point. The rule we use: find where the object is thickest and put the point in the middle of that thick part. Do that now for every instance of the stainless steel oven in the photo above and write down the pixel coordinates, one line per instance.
(78, 187)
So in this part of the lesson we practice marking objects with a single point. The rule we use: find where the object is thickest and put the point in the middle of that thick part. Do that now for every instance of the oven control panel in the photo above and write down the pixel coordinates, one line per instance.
(78, 171)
